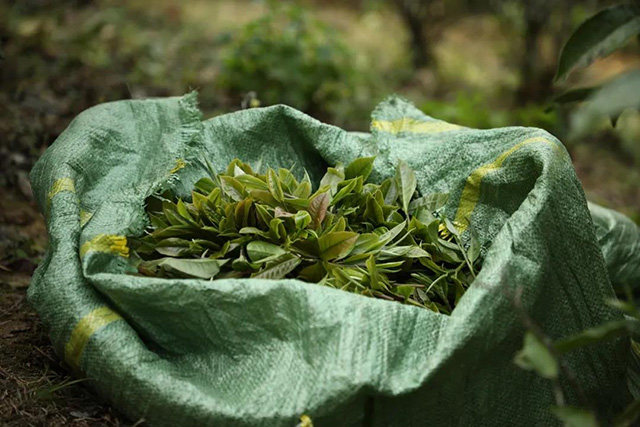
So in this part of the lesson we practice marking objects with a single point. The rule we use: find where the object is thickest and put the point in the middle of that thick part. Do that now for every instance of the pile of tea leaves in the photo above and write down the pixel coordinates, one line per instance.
(379, 240)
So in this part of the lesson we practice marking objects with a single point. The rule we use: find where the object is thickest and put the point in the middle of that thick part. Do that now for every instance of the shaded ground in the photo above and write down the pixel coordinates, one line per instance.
(35, 388)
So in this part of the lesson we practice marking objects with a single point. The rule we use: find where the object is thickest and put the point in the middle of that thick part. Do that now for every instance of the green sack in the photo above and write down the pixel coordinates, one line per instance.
(619, 239)
(261, 352)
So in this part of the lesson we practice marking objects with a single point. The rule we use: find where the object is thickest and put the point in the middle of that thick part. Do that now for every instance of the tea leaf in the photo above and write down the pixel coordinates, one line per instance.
(332, 178)
(242, 224)
(302, 219)
(318, 208)
(344, 191)
(474, 249)
(336, 244)
(281, 267)
(303, 190)
(232, 187)
(359, 167)
(259, 250)
(373, 273)
(274, 185)
(252, 183)
(430, 202)
(406, 183)
(204, 268)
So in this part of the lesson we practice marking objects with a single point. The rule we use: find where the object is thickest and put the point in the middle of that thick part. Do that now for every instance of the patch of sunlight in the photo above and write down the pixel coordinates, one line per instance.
(474, 52)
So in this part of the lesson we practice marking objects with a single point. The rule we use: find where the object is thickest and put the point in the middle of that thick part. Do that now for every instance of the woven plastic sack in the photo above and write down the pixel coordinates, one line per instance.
(619, 238)
(260, 352)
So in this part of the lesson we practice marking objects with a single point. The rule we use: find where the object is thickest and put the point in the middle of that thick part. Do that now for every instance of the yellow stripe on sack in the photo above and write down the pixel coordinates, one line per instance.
(108, 243)
(407, 124)
(86, 327)
(180, 163)
(305, 421)
(60, 185)
(85, 216)
(471, 191)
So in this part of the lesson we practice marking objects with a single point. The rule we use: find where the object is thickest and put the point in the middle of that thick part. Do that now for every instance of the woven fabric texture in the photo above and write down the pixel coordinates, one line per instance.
(260, 352)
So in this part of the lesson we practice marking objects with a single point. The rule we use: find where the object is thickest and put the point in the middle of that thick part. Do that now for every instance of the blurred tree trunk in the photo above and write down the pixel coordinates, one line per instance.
(414, 14)
(536, 83)
(532, 88)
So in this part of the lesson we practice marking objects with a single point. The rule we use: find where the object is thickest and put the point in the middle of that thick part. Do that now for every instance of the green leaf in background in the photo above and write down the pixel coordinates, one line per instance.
(575, 95)
(575, 417)
(535, 356)
(359, 167)
(598, 36)
(406, 183)
(333, 245)
(608, 101)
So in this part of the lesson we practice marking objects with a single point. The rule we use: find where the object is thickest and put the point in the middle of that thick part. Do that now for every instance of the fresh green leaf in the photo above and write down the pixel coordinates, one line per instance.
(406, 183)
(373, 273)
(359, 167)
(431, 202)
(250, 182)
(279, 269)
(332, 178)
(232, 187)
(318, 208)
(344, 192)
(258, 250)
(275, 187)
(336, 244)
(302, 219)
(203, 268)
(474, 249)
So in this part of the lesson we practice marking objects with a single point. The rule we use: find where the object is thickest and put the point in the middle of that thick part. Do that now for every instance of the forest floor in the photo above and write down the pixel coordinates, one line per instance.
(36, 389)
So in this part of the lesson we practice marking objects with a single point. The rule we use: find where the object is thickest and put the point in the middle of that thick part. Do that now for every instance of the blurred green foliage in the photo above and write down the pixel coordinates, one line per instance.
(475, 110)
(289, 57)
(332, 60)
